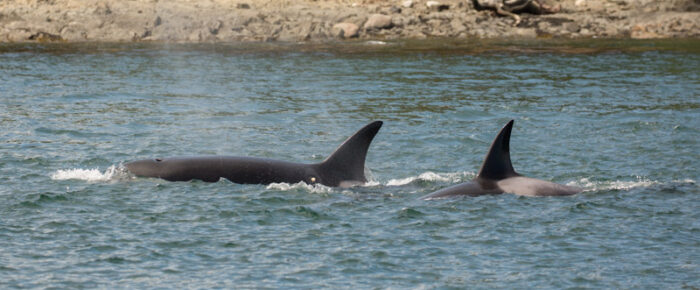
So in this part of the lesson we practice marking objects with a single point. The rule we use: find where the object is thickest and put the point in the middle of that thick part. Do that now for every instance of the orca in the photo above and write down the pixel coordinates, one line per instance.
(497, 176)
(344, 167)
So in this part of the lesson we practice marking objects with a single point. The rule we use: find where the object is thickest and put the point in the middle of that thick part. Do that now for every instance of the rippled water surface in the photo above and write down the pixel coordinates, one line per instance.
(619, 120)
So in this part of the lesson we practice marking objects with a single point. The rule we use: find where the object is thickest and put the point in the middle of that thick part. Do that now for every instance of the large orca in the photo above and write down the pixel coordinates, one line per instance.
(345, 167)
(497, 176)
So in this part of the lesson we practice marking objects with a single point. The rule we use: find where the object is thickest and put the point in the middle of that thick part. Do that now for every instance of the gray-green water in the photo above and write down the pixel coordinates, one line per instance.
(620, 120)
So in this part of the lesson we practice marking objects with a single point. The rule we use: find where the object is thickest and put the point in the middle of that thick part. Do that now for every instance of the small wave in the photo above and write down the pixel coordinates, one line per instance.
(641, 182)
(430, 176)
(371, 183)
(313, 188)
(112, 173)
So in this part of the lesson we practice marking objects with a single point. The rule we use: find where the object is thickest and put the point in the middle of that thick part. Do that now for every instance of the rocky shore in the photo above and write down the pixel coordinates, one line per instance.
(330, 20)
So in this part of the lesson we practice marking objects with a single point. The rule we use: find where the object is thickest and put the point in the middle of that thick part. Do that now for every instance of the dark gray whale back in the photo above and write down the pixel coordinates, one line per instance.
(344, 167)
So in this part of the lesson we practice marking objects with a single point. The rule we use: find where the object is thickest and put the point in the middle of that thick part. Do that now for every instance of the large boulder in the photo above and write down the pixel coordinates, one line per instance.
(378, 21)
(346, 30)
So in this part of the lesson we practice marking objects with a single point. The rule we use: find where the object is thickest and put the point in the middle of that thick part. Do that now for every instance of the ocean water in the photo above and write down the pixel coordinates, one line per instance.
(619, 118)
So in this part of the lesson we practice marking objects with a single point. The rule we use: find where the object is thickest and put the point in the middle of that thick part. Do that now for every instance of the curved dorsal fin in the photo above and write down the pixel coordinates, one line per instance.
(497, 163)
(347, 162)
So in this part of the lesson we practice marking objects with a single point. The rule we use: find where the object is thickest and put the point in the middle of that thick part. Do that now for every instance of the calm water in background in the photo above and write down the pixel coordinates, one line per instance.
(619, 119)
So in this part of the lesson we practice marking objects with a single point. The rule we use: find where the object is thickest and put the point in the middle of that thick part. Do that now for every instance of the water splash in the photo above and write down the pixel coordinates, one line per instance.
(371, 183)
(641, 182)
(313, 188)
(113, 173)
(431, 176)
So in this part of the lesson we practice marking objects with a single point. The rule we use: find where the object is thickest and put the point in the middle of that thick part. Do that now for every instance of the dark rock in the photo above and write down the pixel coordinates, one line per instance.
(45, 37)
(572, 27)
(214, 26)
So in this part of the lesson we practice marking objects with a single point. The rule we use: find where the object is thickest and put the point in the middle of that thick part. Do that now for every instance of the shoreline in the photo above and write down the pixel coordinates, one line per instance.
(445, 46)
(226, 21)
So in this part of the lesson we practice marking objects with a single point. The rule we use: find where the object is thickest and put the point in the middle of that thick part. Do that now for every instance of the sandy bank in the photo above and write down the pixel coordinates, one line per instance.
(323, 20)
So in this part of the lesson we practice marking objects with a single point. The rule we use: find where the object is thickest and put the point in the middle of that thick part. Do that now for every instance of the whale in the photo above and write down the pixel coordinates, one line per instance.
(343, 168)
(497, 176)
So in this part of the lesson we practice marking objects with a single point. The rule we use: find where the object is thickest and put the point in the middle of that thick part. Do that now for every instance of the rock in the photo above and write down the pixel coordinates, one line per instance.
(102, 9)
(304, 31)
(416, 34)
(434, 24)
(610, 31)
(643, 32)
(525, 32)
(242, 6)
(434, 5)
(15, 34)
(407, 4)
(378, 21)
(457, 26)
(572, 27)
(45, 37)
(214, 26)
(74, 31)
(585, 32)
(12, 17)
(346, 30)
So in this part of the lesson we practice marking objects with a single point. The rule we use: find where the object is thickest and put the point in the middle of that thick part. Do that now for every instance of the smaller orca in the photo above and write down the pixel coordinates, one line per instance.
(345, 167)
(497, 176)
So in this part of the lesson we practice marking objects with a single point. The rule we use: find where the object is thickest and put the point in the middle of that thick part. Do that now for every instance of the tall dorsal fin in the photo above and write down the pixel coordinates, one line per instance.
(347, 163)
(497, 163)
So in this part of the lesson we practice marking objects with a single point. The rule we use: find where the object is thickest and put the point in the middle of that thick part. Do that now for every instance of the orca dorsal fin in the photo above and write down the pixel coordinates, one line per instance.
(497, 163)
(347, 162)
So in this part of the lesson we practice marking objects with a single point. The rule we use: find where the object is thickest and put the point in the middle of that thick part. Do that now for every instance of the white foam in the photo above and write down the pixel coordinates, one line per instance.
(313, 188)
(430, 176)
(686, 181)
(375, 42)
(371, 183)
(112, 173)
(641, 182)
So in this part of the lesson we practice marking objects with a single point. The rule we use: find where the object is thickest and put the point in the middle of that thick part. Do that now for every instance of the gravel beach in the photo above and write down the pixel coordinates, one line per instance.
(187, 21)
